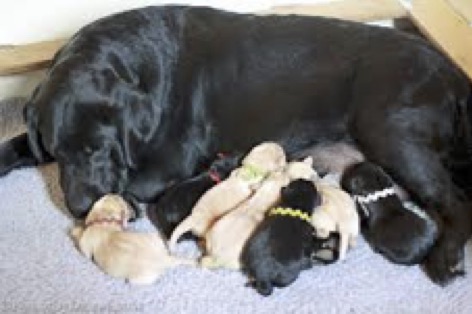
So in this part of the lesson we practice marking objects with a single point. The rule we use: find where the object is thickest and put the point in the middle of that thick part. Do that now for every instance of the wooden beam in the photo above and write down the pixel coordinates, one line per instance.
(355, 10)
(445, 27)
(23, 58)
(463, 7)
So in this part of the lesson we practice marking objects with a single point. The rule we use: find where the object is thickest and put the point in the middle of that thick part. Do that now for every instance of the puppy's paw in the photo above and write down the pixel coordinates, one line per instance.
(76, 233)
(445, 262)
(208, 262)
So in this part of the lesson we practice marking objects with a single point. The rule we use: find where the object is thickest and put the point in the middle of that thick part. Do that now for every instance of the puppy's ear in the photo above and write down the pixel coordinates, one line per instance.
(309, 161)
(34, 138)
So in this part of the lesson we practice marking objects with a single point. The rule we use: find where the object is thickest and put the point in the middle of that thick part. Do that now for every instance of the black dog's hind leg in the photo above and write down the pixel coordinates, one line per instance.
(16, 153)
(420, 170)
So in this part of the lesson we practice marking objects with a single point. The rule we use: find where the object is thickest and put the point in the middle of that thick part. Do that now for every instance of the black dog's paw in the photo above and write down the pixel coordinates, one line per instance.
(445, 262)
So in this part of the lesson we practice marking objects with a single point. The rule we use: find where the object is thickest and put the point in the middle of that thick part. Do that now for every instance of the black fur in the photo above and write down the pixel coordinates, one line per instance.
(391, 230)
(177, 201)
(136, 101)
(281, 246)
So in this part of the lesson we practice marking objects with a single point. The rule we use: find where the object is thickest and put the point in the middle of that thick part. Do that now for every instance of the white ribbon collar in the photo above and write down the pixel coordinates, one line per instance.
(375, 196)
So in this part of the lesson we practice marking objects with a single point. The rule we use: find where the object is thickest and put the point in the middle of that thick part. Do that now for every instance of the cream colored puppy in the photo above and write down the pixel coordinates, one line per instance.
(337, 213)
(225, 196)
(140, 258)
(225, 240)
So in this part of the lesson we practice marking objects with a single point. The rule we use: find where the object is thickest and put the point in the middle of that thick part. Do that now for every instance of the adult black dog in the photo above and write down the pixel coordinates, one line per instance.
(137, 101)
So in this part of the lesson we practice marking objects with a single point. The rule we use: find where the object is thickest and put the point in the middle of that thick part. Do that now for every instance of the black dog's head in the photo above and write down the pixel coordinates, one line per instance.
(365, 177)
(300, 194)
(89, 123)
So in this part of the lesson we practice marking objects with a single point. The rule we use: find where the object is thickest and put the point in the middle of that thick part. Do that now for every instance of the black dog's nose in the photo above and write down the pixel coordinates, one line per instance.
(79, 204)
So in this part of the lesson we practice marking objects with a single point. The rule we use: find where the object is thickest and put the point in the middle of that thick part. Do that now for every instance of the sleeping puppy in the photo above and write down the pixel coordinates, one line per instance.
(402, 234)
(281, 246)
(242, 182)
(337, 213)
(225, 240)
(177, 202)
(140, 258)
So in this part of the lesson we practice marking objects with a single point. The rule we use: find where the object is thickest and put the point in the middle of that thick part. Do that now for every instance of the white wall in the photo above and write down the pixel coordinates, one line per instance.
(24, 21)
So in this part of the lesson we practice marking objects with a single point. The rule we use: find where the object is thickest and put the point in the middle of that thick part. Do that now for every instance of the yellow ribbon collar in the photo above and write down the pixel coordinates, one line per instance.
(295, 213)
(250, 172)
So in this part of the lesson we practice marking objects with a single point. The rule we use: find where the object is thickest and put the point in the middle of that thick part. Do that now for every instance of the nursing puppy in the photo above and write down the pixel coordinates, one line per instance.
(337, 213)
(140, 258)
(242, 182)
(402, 234)
(281, 246)
(177, 202)
(225, 240)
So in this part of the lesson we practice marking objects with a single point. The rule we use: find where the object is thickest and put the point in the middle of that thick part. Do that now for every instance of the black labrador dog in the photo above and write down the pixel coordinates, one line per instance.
(139, 100)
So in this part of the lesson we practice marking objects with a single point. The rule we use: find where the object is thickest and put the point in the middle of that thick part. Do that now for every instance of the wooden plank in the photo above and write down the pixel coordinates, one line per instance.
(355, 10)
(445, 27)
(23, 58)
(463, 7)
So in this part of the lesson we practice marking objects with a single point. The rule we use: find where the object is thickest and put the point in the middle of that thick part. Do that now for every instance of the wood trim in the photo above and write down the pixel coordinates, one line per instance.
(463, 7)
(23, 58)
(355, 10)
(445, 27)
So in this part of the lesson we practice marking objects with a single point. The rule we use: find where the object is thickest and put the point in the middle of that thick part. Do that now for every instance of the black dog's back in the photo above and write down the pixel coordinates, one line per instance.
(177, 202)
(402, 234)
(281, 245)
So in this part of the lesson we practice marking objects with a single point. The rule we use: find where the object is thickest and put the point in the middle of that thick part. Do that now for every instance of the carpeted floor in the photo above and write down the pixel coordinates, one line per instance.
(42, 272)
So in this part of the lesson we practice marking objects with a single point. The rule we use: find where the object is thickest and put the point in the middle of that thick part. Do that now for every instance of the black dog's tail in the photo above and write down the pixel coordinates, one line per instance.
(16, 153)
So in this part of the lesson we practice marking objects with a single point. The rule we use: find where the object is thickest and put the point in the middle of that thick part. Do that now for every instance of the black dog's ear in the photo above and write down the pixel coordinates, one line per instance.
(34, 138)
(140, 119)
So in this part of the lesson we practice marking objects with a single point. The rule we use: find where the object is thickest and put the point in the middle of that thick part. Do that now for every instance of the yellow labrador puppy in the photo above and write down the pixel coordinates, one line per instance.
(140, 258)
(226, 239)
(337, 213)
(225, 196)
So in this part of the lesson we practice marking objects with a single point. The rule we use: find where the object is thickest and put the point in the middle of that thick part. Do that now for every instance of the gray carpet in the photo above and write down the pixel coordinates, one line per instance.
(42, 272)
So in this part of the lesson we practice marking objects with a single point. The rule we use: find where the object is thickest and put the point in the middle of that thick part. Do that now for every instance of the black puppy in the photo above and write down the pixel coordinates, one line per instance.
(281, 246)
(402, 234)
(177, 202)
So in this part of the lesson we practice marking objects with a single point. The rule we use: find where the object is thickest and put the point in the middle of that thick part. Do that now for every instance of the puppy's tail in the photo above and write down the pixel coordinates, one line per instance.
(17, 153)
